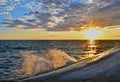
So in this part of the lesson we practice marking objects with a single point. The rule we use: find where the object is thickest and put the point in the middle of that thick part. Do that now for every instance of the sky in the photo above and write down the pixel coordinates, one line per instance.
(58, 19)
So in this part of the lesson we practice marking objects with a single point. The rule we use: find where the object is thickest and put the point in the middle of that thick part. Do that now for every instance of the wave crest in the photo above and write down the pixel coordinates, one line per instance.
(53, 58)
(58, 58)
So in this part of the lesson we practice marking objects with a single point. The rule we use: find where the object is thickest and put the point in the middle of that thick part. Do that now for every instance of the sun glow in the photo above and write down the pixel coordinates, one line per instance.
(92, 33)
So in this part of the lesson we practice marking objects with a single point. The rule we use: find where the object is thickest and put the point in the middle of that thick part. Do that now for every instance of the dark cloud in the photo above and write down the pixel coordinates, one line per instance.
(66, 15)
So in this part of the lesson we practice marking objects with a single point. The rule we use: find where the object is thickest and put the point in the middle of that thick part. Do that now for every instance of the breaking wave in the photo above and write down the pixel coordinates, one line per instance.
(53, 58)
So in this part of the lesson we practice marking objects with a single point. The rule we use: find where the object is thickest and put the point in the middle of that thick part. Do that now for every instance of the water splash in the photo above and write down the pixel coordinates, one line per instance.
(53, 58)
(34, 64)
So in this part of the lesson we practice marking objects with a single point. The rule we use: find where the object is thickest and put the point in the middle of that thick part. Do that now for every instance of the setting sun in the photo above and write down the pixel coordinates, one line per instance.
(91, 33)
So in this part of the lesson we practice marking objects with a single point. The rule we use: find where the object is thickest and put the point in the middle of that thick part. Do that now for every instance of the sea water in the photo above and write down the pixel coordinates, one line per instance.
(18, 56)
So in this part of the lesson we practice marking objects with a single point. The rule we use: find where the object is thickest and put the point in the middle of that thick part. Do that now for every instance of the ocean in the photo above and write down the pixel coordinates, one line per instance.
(17, 56)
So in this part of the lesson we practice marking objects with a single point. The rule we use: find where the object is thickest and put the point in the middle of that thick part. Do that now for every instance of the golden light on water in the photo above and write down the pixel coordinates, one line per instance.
(91, 33)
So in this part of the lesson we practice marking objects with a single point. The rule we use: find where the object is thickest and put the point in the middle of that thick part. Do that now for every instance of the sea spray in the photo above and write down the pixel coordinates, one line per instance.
(59, 58)
(34, 64)
(53, 58)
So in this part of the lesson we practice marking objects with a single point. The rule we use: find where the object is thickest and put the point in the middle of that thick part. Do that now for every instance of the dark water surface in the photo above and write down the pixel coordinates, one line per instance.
(11, 52)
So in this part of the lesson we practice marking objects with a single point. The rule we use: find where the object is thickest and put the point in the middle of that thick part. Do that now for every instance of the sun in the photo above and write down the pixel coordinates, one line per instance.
(91, 33)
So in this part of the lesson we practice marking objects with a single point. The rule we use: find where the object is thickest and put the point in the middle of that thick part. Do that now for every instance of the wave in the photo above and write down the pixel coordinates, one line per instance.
(53, 58)
(103, 67)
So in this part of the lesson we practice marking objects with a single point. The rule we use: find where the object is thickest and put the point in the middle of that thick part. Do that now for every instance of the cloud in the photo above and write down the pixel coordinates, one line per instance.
(65, 15)
(90, 1)
(2, 2)
(9, 7)
(6, 6)
(4, 13)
